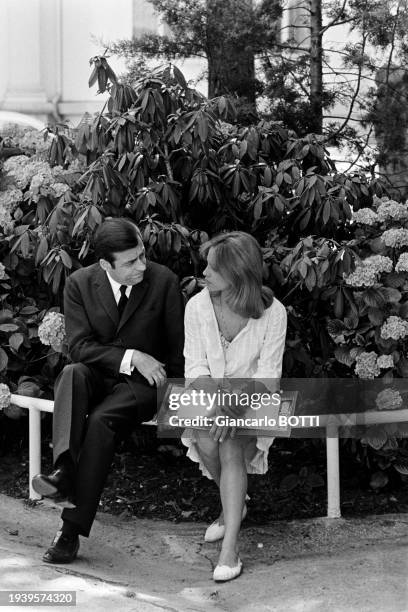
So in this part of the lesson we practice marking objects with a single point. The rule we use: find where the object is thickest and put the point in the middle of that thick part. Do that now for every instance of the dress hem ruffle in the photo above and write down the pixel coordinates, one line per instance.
(256, 459)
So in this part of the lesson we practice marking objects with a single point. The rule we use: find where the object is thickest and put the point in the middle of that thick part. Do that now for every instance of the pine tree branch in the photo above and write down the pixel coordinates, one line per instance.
(334, 22)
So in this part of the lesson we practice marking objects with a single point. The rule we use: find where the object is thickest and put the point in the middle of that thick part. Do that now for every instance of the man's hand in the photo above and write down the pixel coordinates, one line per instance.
(149, 367)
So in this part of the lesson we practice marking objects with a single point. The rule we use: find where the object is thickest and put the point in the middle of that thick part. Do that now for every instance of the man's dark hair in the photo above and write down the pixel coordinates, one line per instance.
(114, 236)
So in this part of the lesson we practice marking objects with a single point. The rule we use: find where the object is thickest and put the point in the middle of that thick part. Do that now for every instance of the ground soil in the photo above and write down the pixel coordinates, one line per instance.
(152, 478)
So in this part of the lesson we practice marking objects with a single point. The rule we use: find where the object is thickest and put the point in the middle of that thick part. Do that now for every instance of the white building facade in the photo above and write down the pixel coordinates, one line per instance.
(45, 47)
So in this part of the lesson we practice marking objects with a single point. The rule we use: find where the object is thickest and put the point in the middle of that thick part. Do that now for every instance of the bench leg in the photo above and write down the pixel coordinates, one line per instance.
(333, 473)
(34, 448)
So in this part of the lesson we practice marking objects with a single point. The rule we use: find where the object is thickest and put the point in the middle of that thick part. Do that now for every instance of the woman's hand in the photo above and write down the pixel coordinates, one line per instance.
(220, 432)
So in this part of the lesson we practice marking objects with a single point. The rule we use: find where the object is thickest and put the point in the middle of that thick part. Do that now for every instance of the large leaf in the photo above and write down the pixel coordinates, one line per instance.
(374, 297)
(378, 480)
(376, 316)
(375, 437)
(28, 388)
(343, 356)
(391, 295)
(8, 327)
(16, 340)
(314, 480)
(289, 483)
(401, 465)
(3, 360)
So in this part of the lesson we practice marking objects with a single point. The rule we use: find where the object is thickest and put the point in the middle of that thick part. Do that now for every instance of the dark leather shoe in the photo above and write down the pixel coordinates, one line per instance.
(63, 549)
(57, 485)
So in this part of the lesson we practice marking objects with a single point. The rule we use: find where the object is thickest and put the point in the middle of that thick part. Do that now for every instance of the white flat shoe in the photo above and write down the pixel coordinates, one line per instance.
(222, 573)
(216, 531)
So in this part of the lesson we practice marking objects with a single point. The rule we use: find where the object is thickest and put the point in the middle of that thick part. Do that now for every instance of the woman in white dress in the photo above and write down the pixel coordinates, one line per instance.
(234, 328)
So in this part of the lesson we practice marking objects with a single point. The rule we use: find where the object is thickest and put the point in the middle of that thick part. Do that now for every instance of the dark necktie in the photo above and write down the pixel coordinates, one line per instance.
(122, 300)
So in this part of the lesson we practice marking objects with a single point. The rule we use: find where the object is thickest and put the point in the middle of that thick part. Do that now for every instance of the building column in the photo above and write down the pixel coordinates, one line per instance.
(31, 31)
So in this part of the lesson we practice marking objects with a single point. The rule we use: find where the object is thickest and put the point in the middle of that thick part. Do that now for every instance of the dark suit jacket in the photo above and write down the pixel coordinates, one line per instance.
(152, 321)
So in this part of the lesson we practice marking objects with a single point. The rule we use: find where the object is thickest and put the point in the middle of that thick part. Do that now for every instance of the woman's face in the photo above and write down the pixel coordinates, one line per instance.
(214, 280)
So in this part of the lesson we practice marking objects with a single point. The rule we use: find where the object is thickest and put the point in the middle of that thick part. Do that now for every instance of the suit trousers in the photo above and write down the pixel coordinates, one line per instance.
(91, 413)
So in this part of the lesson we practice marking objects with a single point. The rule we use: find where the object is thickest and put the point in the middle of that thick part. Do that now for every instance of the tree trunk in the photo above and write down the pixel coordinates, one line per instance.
(316, 72)
(231, 65)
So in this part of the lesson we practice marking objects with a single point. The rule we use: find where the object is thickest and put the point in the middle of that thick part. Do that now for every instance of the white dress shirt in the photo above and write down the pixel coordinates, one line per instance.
(126, 363)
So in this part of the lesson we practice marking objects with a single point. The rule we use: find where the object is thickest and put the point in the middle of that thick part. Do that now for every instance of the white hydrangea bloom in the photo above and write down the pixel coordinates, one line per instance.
(388, 399)
(402, 263)
(392, 210)
(41, 180)
(57, 171)
(367, 216)
(362, 276)
(10, 198)
(51, 331)
(385, 361)
(395, 237)
(59, 189)
(379, 263)
(13, 164)
(366, 274)
(394, 328)
(2, 271)
(6, 221)
(75, 166)
(33, 139)
(22, 169)
(366, 365)
(5, 396)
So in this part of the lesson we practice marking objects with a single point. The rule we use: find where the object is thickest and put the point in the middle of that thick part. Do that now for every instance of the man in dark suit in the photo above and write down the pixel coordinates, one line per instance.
(124, 324)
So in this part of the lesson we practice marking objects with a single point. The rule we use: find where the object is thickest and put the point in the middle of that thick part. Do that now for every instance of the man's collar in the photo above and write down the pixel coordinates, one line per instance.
(114, 284)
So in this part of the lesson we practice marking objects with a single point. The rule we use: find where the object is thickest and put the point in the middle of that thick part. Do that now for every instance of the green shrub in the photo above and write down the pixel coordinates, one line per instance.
(179, 165)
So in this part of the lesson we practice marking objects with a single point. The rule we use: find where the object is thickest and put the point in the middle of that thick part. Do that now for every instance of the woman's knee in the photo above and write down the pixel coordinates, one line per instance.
(208, 448)
(231, 451)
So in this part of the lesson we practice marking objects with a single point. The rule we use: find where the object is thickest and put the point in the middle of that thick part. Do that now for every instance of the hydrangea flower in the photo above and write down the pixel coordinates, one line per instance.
(385, 361)
(10, 198)
(14, 163)
(75, 166)
(366, 274)
(5, 396)
(394, 328)
(402, 263)
(366, 365)
(388, 399)
(21, 169)
(3, 274)
(6, 221)
(59, 189)
(392, 210)
(395, 237)
(367, 216)
(51, 331)
(43, 178)
(34, 140)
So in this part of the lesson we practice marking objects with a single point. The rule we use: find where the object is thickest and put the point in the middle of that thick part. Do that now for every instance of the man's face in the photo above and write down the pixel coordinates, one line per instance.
(128, 266)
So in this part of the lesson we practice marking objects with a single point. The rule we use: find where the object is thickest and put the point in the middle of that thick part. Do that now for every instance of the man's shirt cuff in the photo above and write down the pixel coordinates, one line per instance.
(126, 364)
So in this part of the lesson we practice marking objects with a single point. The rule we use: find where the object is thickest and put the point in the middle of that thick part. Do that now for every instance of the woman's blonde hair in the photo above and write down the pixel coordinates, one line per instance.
(238, 258)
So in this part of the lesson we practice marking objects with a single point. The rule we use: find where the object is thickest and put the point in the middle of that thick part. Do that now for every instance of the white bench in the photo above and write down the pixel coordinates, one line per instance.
(331, 423)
